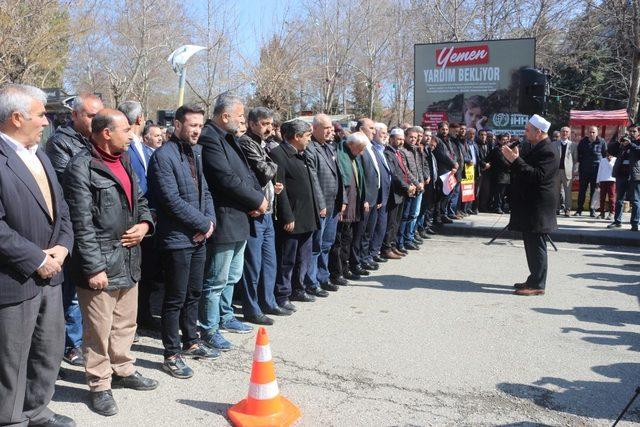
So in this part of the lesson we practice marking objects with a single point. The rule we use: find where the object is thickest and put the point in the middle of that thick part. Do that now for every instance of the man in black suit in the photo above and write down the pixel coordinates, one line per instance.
(323, 156)
(533, 200)
(237, 194)
(35, 239)
(379, 142)
(298, 213)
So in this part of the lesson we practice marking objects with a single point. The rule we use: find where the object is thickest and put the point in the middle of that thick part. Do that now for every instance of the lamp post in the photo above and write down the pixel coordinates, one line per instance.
(178, 60)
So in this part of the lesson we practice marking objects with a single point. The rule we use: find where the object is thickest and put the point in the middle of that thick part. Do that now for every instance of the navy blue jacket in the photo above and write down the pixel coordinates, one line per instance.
(26, 228)
(183, 208)
(385, 176)
(138, 165)
(234, 187)
(590, 154)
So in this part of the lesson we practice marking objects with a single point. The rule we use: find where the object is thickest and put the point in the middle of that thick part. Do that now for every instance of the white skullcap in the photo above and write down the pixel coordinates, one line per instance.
(397, 132)
(540, 122)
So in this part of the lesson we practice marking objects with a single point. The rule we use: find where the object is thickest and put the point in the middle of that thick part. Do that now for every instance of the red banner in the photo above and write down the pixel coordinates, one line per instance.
(465, 55)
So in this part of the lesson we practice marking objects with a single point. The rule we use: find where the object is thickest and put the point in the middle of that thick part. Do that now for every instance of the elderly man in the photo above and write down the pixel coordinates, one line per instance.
(359, 261)
(565, 148)
(138, 156)
(323, 156)
(110, 218)
(377, 230)
(66, 142)
(591, 150)
(260, 265)
(186, 219)
(35, 238)
(351, 172)
(298, 213)
(533, 200)
(237, 195)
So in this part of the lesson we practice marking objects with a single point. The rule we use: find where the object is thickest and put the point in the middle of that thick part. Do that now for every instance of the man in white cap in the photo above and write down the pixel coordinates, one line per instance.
(533, 200)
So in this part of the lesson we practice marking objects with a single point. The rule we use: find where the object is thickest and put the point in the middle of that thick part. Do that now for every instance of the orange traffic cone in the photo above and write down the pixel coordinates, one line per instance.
(263, 406)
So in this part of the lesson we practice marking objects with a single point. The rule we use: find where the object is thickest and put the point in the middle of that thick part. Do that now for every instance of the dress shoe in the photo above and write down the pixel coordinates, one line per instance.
(359, 271)
(134, 381)
(57, 420)
(418, 239)
(329, 287)
(389, 255)
(566, 214)
(288, 306)
(423, 234)
(520, 285)
(474, 212)
(259, 319)
(302, 297)
(446, 220)
(318, 292)
(456, 216)
(577, 213)
(277, 311)
(529, 291)
(369, 266)
(102, 402)
(352, 276)
(340, 281)
(614, 225)
(592, 213)
(411, 246)
(430, 231)
(403, 251)
(379, 259)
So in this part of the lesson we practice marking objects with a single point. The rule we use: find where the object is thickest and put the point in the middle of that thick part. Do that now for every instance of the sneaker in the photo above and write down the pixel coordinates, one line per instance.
(614, 225)
(201, 351)
(176, 367)
(236, 326)
(74, 357)
(217, 342)
(134, 381)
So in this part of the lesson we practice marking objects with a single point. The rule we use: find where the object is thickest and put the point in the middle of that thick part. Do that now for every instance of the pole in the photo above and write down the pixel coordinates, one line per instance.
(181, 85)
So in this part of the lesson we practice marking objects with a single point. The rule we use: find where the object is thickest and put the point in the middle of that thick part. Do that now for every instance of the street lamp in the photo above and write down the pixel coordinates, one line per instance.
(178, 60)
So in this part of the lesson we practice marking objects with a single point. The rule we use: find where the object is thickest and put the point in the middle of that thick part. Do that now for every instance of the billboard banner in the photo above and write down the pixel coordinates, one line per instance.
(476, 83)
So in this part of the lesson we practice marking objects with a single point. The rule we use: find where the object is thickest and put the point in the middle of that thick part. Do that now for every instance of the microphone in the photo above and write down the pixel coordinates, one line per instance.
(514, 144)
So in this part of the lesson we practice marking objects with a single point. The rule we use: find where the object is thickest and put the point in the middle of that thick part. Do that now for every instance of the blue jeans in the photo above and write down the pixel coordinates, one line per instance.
(629, 190)
(72, 314)
(403, 232)
(260, 266)
(323, 239)
(414, 217)
(378, 232)
(223, 269)
(452, 206)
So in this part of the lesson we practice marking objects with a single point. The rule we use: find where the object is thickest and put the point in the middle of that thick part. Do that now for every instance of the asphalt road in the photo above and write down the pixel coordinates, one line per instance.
(437, 338)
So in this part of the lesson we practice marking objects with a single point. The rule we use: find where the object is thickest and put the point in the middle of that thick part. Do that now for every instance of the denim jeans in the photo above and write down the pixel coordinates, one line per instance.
(629, 190)
(72, 314)
(260, 266)
(323, 239)
(414, 217)
(410, 206)
(452, 205)
(223, 269)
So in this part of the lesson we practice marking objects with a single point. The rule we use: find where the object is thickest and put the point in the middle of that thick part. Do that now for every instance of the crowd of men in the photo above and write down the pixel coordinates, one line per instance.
(232, 209)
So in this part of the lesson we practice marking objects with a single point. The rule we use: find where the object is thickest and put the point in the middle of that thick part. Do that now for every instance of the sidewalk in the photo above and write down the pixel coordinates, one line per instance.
(582, 229)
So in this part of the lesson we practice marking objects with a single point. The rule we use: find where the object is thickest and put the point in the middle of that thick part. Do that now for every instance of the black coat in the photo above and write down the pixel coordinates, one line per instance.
(233, 185)
(627, 165)
(26, 228)
(445, 154)
(499, 170)
(534, 193)
(100, 215)
(590, 154)
(65, 143)
(399, 188)
(297, 201)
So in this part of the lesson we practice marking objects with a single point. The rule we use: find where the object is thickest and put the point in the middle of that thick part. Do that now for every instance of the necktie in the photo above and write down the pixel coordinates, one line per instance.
(40, 176)
(403, 167)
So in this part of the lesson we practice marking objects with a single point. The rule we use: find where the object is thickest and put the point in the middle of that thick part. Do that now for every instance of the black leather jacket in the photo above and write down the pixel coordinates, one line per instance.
(63, 145)
(100, 215)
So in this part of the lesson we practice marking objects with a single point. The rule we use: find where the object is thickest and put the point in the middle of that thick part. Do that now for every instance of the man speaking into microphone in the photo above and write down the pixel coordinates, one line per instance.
(533, 200)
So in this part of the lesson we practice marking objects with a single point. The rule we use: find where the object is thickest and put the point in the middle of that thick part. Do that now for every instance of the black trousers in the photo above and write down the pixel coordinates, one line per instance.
(151, 277)
(294, 256)
(586, 180)
(535, 247)
(184, 272)
(31, 348)
(341, 250)
(363, 230)
(394, 216)
(498, 194)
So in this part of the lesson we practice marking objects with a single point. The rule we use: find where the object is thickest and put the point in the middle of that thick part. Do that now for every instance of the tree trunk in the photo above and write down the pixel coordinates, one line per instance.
(634, 88)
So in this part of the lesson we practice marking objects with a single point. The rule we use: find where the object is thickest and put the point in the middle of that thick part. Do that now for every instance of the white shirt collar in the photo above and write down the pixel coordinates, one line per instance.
(18, 147)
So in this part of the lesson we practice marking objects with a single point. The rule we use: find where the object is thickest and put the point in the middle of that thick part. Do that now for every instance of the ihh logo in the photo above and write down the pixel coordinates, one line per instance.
(501, 119)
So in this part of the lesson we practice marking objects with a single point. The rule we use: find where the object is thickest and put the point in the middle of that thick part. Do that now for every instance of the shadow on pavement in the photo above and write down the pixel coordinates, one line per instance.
(402, 283)
(214, 407)
(68, 394)
(632, 289)
(600, 315)
(606, 277)
(623, 257)
(147, 349)
(524, 424)
(594, 399)
(631, 340)
(73, 376)
(625, 267)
